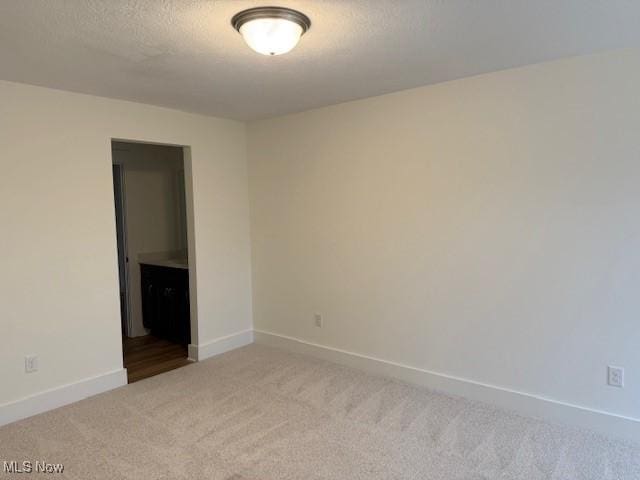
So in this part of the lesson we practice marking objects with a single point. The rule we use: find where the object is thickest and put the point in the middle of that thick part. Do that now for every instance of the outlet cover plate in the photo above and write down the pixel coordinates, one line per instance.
(31, 363)
(615, 376)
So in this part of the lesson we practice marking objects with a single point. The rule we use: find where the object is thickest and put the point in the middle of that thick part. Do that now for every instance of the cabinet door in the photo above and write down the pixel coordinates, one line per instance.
(167, 312)
(149, 292)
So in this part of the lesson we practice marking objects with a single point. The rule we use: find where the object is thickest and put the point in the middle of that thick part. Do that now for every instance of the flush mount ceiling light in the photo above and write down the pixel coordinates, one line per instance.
(271, 30)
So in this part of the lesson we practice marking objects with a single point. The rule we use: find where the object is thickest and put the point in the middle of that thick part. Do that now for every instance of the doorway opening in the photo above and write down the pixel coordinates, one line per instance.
(153, 256)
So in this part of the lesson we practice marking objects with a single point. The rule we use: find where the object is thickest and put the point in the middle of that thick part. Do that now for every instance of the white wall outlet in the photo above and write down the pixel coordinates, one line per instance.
(615, 376)
(31, 363)
(317, 320)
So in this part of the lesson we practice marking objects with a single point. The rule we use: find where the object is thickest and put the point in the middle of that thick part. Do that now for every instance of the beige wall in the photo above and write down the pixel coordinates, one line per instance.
(59, 280)
(486, 228)
(154, 212)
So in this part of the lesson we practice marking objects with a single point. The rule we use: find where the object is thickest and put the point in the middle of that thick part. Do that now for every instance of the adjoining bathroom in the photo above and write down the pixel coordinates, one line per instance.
(151, 220)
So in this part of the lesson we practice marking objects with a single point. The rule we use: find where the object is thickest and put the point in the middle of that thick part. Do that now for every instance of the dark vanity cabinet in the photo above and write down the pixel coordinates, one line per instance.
(165, 302)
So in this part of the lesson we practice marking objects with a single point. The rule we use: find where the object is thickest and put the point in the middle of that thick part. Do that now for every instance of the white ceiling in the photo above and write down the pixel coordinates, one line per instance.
(184, 54)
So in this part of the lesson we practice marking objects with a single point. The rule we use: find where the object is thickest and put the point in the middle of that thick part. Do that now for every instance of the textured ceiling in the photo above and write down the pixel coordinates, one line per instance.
(184, 54)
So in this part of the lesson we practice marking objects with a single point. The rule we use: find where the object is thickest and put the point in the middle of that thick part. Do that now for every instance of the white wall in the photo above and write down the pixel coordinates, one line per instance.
(486, 228)
(153, 204)
(59, 277)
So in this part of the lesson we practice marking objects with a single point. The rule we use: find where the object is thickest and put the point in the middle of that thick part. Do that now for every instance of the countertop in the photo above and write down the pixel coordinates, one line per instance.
(171, 263)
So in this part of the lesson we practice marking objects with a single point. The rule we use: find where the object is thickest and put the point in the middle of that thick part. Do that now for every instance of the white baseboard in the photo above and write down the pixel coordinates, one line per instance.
(220, 345)
(523, 403)
(60, 396)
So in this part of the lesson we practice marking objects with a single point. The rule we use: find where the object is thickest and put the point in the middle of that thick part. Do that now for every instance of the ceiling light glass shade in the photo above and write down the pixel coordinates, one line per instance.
(271, 36)
(271, 30)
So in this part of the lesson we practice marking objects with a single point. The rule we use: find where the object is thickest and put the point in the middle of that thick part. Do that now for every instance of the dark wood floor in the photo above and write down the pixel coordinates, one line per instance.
(148, 356)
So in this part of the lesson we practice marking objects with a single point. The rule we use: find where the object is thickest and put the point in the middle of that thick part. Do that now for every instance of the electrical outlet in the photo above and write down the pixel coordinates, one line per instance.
(615, 376)
(31, 363)
(317, 319)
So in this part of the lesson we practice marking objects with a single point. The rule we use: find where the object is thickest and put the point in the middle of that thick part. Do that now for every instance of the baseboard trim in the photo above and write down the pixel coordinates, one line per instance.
(523, 403)
(57, 397)
(220, 345)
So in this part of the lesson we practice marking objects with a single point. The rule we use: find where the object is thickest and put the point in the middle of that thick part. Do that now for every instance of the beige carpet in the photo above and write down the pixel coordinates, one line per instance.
(258, 414)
